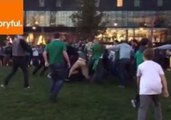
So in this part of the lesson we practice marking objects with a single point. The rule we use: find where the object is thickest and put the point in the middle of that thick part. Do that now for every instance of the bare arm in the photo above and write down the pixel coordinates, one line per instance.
(164, 84)
(138, 77)
(45, 58)
(65, 54)
(114, 47)
(138, 81)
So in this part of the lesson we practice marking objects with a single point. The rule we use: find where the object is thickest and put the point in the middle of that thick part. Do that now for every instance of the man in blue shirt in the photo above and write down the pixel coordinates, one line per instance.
(125, 53)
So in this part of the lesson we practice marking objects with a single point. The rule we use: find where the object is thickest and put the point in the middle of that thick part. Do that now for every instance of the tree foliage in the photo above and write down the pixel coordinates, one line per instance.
(88, 20)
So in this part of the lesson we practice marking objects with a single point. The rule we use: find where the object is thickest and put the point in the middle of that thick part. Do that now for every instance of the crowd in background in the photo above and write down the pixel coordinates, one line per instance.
(91, 50)
(93, 61)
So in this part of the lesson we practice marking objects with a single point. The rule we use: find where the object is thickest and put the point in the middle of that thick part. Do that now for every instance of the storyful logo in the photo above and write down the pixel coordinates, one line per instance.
(11, 17)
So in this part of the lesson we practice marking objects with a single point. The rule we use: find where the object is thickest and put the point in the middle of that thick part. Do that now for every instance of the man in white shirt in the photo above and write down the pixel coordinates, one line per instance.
(152, 82)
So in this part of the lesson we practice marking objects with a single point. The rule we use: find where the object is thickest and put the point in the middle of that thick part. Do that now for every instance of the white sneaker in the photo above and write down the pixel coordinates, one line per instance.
(133, 103)
(28, 87)
(49, 76)
(3, 86)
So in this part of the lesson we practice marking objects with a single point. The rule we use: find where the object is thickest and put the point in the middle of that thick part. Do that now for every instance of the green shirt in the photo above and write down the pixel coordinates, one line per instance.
(97, 51)
(139, 57)
(55, 51)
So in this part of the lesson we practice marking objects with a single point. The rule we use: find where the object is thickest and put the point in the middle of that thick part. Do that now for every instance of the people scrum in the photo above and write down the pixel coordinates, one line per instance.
(89, 60)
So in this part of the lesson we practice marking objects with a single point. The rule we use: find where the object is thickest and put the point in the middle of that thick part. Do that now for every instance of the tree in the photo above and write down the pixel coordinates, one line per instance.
(160, 22)
(88, 21)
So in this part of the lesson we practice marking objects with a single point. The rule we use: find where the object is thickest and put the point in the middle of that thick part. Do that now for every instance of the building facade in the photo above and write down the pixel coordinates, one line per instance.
(127, 19)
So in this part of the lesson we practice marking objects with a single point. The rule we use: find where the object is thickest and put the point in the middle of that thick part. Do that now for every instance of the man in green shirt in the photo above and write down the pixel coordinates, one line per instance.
(55, 57)
(139, 56)
(97, 51)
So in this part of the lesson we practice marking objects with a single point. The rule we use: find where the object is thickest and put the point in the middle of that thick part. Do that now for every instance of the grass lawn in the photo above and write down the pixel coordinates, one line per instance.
(78, 101)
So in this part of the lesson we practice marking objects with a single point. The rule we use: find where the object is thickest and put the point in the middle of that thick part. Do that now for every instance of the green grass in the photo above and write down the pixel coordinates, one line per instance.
(77, 101)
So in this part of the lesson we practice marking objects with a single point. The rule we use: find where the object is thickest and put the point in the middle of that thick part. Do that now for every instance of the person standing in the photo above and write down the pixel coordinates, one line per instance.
(19, 49)
(97, 51)
(55, 57)
(41, 62)
(151, 82)
(124, 62)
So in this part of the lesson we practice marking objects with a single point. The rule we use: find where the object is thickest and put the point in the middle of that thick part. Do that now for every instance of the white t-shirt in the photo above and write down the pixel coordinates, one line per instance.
(35, 52)
(150, 81)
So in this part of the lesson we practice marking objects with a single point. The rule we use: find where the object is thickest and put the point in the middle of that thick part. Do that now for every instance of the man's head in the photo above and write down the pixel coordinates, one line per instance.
(57, 35)
(148, 54)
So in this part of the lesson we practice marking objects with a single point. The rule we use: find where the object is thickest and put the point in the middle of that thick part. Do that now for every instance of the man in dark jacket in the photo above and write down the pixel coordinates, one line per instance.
(19, 49)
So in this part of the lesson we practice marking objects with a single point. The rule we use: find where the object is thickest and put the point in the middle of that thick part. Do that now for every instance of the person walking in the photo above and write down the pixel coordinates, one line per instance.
(151, 82)
(55, 57)
(19, 49)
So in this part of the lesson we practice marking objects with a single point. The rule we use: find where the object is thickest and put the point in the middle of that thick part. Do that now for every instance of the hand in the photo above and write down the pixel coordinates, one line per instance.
(168, 52)
(69, 65)
(46, 64)
(166, 93)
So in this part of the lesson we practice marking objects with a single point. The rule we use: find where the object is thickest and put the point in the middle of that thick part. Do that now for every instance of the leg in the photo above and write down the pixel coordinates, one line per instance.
(1, 61)
(23, 66)
(57, 74)
(43, 71)
(74, 67)
(90, 67)
(84, 70)
(145, 101)
(122, 72)
(36, 69)
(14, 70)
(57, 87)
(157, 108)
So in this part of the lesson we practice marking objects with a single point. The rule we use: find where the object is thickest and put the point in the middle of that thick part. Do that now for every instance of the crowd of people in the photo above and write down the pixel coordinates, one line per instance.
(91, 60)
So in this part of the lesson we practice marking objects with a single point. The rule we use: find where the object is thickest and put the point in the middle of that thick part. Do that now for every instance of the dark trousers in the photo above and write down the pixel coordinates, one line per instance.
(57, 75)
(18, 62)
(145, 102)
(124, 71)
(40, 65)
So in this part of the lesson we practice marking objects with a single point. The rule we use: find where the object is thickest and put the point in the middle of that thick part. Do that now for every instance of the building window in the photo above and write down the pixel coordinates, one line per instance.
(97, 3)
(159, 3)
(119, 3)
(136, 3)
(58, 3)
(42, 3)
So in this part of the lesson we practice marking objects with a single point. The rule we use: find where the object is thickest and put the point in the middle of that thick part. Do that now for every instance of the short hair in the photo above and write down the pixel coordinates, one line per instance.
(144, 41)
(149, 53)
(57, 35)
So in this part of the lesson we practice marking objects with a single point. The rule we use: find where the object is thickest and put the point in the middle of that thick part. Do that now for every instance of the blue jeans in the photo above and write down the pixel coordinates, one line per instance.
(57, 75)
